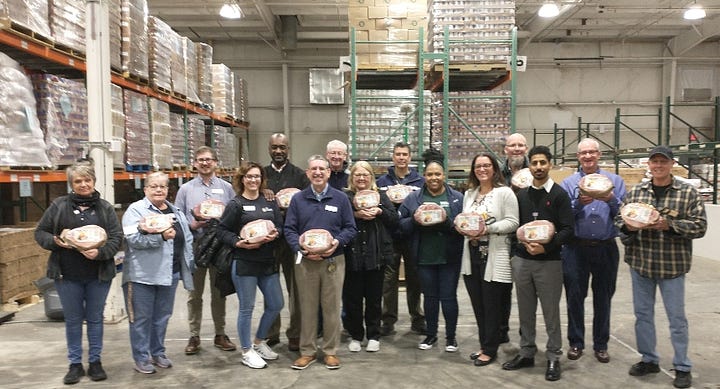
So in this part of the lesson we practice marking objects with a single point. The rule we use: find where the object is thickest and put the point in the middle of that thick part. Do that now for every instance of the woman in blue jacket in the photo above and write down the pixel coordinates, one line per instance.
(437, 249)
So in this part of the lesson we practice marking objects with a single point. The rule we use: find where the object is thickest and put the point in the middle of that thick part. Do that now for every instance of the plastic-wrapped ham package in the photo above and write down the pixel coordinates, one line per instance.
(397, 193)
(522, 179)
(470, 224)
(639, 215)
(595, 185)
(429, 214)
(283, 197)
(85, 237)
(156, 224)
(209, 209)
(538, 231)
(365, 199)
(316, 241)
(256, 230)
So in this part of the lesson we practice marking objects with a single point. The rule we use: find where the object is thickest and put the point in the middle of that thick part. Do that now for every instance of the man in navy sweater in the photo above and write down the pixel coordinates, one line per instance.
(319, 277)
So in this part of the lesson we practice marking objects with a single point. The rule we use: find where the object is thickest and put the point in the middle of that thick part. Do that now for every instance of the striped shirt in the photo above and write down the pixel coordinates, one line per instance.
(664, 254)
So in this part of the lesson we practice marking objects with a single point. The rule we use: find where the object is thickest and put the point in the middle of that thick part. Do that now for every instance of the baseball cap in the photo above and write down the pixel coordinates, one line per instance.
(661, 150)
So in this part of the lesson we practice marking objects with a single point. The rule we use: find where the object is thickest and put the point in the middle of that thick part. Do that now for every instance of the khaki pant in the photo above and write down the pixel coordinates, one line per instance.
(317, 286)
(195, 302)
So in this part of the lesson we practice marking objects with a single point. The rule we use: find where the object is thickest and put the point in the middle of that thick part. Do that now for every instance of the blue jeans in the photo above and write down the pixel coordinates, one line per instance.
(673, 295)
(246, 287)
(579, 263)
(439, 287)
(83, 301)
(149, 309)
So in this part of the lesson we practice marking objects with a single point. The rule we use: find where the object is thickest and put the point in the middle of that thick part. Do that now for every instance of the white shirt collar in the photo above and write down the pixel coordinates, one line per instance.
(547, 185)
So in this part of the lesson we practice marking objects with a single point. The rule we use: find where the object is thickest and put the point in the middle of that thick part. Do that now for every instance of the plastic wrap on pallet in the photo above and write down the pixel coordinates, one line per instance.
(383, 118)
(137, 129)
(204, 67)
(21, 137)
(190, 57)
(115, 33)
(63, 115)
(241, 99)
(118, 124)
(223, 90)
(160, 134)
(178, 143)
(134, 31)
(30, 14)
(195, 134)
(178, 75)
(226, 146)
(67, 23)
(160, 45)
(488, 118)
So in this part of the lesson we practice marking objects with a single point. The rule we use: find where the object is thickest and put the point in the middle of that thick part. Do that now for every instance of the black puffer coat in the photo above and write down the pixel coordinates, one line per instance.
(372, 247)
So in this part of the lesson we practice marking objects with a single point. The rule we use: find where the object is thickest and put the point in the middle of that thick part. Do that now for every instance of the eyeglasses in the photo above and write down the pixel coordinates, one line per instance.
(251, 177)
(483, 166)
(205, 160)
(588, 152)
(337, 153)
(156, 187)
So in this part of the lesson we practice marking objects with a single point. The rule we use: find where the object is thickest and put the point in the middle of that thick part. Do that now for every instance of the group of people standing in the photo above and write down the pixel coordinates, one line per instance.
(353, 282)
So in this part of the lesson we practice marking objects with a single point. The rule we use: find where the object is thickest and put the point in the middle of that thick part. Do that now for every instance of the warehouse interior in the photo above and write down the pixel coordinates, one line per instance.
(632, 74)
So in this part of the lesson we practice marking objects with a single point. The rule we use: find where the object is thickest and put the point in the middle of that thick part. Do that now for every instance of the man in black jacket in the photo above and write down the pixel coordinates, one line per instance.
(281, 174)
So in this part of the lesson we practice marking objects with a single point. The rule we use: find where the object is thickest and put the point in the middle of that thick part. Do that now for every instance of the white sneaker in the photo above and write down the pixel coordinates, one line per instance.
(354, 346)
(373, 346)
(265, 351)
(251, 359)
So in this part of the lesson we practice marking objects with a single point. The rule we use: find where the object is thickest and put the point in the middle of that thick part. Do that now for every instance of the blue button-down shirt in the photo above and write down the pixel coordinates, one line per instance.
(594, 220)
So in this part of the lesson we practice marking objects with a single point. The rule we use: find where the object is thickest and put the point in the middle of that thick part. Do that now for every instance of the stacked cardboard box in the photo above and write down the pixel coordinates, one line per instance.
(115, 33)
(387, 20)
(118, 124)
(30, 14)
(134, 26)
(67, 23)
(223, 90)
(225, 142)
(178, 76)
(195, 134)
(241, 99)
(186, 140)
(190, 57)
(160, 37)
(137, 129)
(22, 261)
(160, 134)
(63, 114)
(488, 118)
(204, 69)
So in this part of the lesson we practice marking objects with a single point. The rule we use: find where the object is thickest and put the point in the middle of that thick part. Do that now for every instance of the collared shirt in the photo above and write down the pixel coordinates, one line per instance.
(321, 195)
(665, 254)
(278, 169)
(547, 185)
(196, 191)
(594, 220)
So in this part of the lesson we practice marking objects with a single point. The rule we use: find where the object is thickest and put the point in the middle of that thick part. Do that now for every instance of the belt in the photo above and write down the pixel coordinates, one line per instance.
(591, 242)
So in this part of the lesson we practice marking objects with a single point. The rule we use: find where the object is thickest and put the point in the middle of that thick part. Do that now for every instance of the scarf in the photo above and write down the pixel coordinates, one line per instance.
(85, 201)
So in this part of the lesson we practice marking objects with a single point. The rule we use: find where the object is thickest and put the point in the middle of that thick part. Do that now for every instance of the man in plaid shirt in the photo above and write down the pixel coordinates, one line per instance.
(659, 256)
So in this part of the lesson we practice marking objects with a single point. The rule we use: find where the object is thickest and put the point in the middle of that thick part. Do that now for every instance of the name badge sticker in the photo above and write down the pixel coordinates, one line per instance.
(331, 208)
(218, 191)
(248, 208)
(267, 209)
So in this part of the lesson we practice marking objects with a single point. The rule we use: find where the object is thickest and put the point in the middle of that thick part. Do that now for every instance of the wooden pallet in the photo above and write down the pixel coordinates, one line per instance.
(137, 79)
(26, 33)
(385, 68)
(471, 67)
(69, 50)
(137, 168)
(178, 96)
(20, 302)
(24, 168)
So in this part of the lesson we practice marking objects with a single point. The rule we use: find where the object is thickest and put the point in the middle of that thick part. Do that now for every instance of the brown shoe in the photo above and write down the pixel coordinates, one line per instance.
(294, 344)
(223, 343)
(332, 362)
(303, 362)
(574, 353)
(193, 345)
(602, 356)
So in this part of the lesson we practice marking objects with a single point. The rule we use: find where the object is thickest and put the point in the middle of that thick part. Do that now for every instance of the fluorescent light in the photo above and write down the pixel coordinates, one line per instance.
(231, 11)
(694, 12)
(549, 10)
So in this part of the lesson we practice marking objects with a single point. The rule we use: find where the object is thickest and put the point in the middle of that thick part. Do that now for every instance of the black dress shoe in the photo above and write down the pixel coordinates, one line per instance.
(518, 363)
(480, 362)
(602, 356)
(553, 371)
(574, 353)
(475, 355)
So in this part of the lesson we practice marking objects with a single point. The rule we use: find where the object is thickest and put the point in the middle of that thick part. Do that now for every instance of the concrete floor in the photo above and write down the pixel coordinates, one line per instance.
(34, 353)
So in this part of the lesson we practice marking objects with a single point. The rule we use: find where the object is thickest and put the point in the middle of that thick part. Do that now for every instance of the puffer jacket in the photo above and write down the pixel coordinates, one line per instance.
(372, 247)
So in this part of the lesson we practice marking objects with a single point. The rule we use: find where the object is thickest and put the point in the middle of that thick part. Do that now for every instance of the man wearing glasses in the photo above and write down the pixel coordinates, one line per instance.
(516, 151)
(204, 187)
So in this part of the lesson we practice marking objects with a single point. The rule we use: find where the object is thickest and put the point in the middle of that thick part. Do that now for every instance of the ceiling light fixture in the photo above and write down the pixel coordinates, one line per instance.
(694, 12)
(549, 10)
(231, 10)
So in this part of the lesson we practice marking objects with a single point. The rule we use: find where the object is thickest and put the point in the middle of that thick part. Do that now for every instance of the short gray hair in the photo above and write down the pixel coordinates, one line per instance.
(160, 175)
(336, 144)
(80, 169)
(318, 157)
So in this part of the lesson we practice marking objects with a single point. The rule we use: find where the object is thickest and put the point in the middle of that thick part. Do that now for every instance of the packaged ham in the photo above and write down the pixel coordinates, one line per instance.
(429, 214)
(316, 241)
(595, 185)
(283, 197)
(538, 231)
(470, 224)
(366, 199)
(85, 237)
(397, 193)
(209, 209)
(522, 179)
(256, 230)
(639, 215)
(156, 223)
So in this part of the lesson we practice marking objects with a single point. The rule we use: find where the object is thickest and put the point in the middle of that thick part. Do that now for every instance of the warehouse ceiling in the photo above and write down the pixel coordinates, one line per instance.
(304, 24)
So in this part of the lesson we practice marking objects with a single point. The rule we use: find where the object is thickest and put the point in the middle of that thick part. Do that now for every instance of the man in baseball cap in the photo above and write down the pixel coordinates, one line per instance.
(661, 150)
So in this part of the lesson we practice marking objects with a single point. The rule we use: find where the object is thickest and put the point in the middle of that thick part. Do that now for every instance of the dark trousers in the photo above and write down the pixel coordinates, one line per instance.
(363, 285)
(287, 260)
(580, 261)
(412, 288)
(489, 301)
(439, 286)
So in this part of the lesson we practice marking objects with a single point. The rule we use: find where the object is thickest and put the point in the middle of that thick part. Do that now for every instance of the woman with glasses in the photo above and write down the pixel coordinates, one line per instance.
(366, 258)
(254, 265)
(159, 254)
(486, 256)
(82, 277)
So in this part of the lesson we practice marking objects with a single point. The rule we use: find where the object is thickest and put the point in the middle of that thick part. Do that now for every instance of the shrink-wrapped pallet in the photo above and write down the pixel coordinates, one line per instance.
(29, 14)
(118, 124)
(195, 135)
(178, 75)
(63, 114)
(137, 129)
(21, 137)
(227, 147)
(190, 56)
(160, 134)
(134, 31)
(67, 23)
(223, 90)
(115, 33)
(180, 140)
(159, 57)
(204, 67)
(241, 99)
